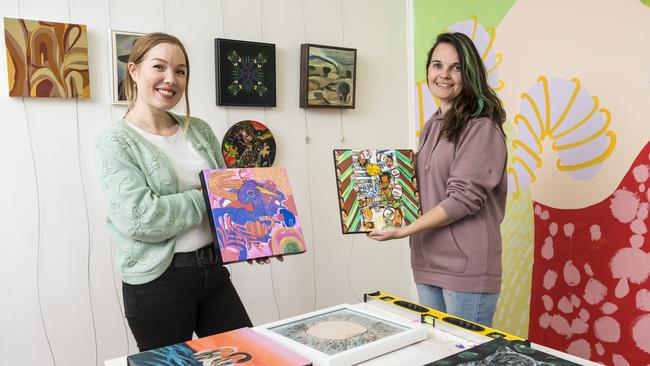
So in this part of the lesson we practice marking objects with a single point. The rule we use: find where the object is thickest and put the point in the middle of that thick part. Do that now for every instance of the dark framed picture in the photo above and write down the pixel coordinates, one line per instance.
(245, 73)
(121, 43)
(327, 76)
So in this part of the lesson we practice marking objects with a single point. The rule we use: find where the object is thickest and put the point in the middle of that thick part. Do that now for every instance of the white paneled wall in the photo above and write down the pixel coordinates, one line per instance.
(61, 293)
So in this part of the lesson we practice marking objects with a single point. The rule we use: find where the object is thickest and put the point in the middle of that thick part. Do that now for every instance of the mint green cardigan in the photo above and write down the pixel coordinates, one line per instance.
(144, 207)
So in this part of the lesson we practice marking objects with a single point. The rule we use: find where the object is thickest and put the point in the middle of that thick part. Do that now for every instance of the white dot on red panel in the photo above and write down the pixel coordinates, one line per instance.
(638, 227)
(624, 205)
(630, 263)
(548, 302)
(608, 308)
(579, 326)
(580, 348)
(588, 270)
(642, 212)
(560, 325)
(575, 301)
(549, 279)
(583, 314)
(594, 231)
(600, 349)
(595, 291)
(619, 360)
(641, 173)
(545, 320)
(641, 332)
(622, 288)
(538, 209)
(544, 215)
(607, 329)
(547, 248)
(565, 305)
(643, 300)
(571, 274)
(552, 228)
(568, 229)
(636, 241)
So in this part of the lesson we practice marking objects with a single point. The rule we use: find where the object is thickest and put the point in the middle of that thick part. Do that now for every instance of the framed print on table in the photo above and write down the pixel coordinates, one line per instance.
(327, 76)
(245, 73)
(342, 335)
(121, 44)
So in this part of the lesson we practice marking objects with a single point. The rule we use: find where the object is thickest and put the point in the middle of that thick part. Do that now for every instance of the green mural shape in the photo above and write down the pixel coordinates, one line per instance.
(432, 17)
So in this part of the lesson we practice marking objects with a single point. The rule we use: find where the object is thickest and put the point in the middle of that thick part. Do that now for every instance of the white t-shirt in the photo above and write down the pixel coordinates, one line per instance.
(187, 163)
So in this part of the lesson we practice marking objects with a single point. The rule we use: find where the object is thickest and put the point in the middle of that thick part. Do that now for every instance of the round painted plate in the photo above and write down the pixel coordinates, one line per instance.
(248, 144)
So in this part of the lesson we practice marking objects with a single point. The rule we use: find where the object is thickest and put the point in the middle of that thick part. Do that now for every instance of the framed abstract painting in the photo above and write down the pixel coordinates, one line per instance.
(376, 189)
(252, 213)
(245, 73)
(248, 144)
(328, 76)
(342, 335)
(242, 345)
(46, 59)
(121, 43)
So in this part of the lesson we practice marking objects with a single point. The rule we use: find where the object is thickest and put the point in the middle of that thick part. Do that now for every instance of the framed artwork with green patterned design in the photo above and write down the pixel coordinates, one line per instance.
(245, 73)
(376, 189)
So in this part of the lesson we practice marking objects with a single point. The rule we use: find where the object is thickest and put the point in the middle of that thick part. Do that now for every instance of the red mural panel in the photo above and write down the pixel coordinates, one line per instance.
(590, 291)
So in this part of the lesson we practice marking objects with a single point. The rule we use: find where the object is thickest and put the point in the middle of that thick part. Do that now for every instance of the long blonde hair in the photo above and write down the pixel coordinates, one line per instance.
(138, 51)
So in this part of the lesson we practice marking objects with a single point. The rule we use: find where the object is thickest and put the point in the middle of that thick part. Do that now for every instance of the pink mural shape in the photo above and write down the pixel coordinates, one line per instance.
(590, 291)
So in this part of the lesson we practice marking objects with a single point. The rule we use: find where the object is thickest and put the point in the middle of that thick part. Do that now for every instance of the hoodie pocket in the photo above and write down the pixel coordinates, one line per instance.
(437, 251)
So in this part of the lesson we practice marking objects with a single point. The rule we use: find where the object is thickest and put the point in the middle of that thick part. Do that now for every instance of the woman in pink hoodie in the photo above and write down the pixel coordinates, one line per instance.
(461, 170)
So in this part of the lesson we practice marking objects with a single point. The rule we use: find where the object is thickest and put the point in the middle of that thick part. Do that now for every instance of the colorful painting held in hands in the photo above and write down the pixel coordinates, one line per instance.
(376, 188)
(46, 59)
(248, 144)
(242, 345)
(252, 213)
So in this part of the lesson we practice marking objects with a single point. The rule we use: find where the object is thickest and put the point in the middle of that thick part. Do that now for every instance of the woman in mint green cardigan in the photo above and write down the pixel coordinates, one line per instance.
(148, 165)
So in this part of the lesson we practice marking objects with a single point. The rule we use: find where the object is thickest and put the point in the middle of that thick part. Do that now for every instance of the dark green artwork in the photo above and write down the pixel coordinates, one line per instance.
(245, 73)
(504, 353)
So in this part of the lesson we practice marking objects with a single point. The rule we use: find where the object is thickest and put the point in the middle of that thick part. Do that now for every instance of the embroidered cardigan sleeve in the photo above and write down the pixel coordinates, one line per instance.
(133, 207)
(477, 168)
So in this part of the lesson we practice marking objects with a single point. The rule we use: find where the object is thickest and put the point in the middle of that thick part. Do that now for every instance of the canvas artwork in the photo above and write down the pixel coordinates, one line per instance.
(46, 59)
(376, 189)
(502, 352)
(342, 335)
(242, 345)
(248, 144)
(121, 44)
(252, 213)
(327, 76)
(245, 73)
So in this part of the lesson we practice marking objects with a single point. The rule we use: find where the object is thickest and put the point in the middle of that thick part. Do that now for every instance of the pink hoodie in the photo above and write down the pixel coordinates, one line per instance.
(469, 181)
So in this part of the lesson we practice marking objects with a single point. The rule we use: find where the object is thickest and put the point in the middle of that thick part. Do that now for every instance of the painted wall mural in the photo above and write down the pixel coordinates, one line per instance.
(563, 112)
(46, 59)
(590, 272)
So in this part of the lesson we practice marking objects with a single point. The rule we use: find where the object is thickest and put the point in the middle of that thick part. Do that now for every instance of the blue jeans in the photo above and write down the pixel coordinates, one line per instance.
(475, 307)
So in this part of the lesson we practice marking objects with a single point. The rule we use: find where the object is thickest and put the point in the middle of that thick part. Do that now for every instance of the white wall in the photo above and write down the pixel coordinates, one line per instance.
(61, 294)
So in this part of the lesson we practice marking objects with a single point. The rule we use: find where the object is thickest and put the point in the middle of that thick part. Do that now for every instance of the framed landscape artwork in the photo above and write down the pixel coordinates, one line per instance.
(242, 345)
(327, 76)
(252, 213)
(342, 335)
(121, 43)
(46, 59)
(376, 189)
(245, 73)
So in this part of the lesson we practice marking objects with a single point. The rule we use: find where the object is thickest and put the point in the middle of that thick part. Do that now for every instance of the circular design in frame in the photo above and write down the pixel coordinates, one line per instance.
(248, 144)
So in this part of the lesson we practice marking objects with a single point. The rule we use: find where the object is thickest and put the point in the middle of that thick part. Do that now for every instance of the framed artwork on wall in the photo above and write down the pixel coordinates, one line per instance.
(252, 213)
(121, 43)
(376, 189)
(245, 73)
(248, 144)
(46, 59)
(327, 76)
(342, 335)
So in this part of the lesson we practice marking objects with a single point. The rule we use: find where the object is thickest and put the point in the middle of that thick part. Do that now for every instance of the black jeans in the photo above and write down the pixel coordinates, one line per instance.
(181, 301)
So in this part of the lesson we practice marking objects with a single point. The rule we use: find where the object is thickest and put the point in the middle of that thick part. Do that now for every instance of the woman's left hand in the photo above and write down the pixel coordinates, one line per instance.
(385, 234)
